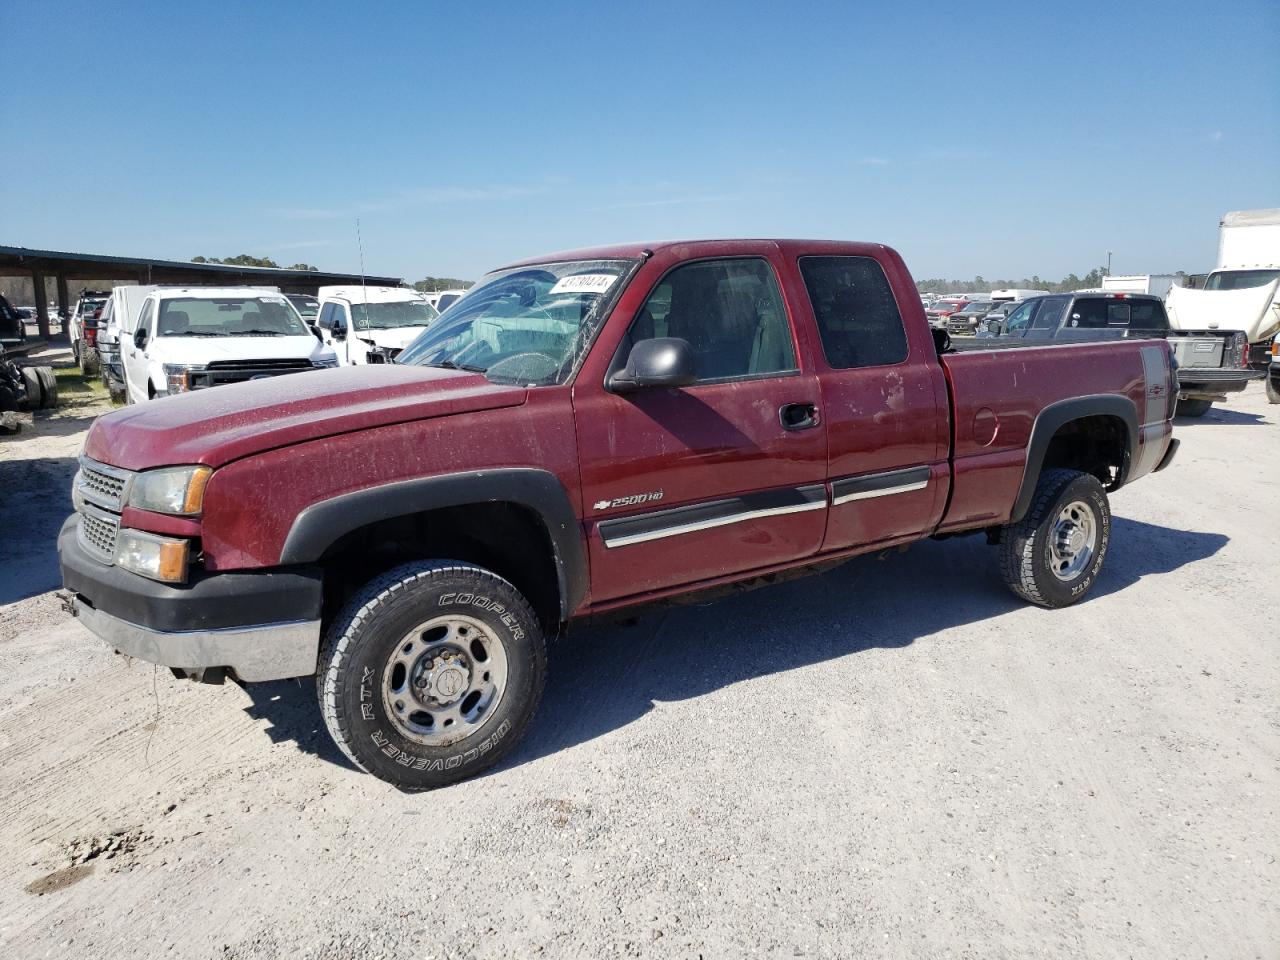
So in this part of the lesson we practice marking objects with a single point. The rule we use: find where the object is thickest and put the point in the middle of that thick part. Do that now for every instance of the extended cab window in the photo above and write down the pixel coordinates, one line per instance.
(730, 312)
(1020, 319)
(857, 315)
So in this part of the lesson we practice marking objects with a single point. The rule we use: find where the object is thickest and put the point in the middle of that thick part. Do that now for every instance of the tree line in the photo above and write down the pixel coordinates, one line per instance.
(244, 260)
(432, 284)
(1068, 283)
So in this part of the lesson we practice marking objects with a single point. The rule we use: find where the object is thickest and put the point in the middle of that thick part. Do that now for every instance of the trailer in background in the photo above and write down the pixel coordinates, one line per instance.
(1156, 284)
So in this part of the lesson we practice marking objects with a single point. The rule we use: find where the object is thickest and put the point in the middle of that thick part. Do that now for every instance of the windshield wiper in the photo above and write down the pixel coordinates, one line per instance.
(450, 365)
(259, 333)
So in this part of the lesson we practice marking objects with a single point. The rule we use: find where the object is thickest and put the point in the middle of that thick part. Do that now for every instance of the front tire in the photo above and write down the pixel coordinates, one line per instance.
(1273, 391)
(1052, 556)
(431, 673)
(1193, 408)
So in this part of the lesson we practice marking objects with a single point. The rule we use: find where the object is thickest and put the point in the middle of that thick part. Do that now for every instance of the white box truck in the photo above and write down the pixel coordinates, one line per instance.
(1156, 284)
(1248, 260)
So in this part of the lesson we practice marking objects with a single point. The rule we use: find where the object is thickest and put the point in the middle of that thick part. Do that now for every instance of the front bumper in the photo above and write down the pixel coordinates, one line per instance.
(262, 625)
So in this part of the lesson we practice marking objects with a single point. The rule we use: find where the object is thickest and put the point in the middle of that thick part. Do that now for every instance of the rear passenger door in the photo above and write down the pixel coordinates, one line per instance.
(885, 403)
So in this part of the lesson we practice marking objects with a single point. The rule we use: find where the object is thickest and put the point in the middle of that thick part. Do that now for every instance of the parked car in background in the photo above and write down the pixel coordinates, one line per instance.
(999, 310)
(13, 330)
(1211, 363)
(191, 338)
(308, 307)
(371, 324)
(1016, 294)
(586, 434)
(965, 320)
(940, 311)
(442, 300)
(83, 329)
(1273, 371)
(120, 312)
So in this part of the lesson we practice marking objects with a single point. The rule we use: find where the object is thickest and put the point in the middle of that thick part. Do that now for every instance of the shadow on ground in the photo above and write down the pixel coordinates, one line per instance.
(35, 499)
(603, 678)
(1220, 414)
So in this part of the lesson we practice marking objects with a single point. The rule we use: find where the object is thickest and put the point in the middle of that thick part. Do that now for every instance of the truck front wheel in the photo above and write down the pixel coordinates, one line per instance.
(1273, 390)
(1052, 556)
(431, 673)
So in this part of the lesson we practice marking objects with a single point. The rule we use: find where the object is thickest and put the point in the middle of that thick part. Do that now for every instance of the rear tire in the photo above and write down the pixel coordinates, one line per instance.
(1193, 408)
(48, 388)
(1273, 391)
(431, 673)
(34, 390)
(90, 361)
(1052, 556)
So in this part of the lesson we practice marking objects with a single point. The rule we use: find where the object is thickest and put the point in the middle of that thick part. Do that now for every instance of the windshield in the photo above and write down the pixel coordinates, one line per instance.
(447, 300)
(229, 317)
(1240, 279)
(978, 306)
(88, 306)
(387, 316)
(307, 306)
(523, 325)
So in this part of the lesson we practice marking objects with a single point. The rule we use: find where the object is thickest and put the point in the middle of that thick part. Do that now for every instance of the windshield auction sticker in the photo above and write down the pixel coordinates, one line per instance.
(584, 283)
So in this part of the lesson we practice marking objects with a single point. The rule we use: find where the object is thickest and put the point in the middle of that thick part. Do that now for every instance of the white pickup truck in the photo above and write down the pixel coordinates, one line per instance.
(190, 338)
(371, 324)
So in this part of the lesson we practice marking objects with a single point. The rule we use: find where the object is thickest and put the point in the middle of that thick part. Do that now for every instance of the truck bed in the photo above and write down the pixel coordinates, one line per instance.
(996, 397)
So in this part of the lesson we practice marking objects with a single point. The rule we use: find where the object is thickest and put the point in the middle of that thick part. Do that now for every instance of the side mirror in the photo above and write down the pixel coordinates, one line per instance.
(995, 327)
(140, 338)
(339, 330)
(660, 362)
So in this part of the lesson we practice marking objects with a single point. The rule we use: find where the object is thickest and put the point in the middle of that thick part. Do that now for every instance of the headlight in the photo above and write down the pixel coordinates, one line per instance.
(176, 490)
(157, 558)
(178, 376)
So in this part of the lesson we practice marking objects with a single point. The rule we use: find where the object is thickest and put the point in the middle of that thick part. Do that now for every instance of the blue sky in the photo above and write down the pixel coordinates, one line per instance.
(1003, 139)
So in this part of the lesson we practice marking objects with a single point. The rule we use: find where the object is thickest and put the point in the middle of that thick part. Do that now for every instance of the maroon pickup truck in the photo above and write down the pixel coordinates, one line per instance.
(580, 435)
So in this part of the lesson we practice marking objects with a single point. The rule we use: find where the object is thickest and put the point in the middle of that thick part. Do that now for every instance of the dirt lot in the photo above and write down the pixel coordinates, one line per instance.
(895, 759)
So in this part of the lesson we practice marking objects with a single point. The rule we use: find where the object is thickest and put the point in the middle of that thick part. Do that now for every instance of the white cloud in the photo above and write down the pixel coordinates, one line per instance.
(1215, 136)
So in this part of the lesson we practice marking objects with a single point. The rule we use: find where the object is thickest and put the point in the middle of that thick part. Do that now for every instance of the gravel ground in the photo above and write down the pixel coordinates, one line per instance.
(894, 759)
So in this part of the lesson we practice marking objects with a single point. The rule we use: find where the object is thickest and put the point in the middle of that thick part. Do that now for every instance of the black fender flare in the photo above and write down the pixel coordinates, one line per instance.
(322, 524)
(1057, 415)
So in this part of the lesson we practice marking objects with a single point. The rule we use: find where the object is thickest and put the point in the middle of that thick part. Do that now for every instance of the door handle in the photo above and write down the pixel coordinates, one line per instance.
(798, 416)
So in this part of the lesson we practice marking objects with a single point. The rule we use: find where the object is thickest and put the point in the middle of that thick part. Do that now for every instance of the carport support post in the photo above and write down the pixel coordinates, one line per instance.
(64, 301)
(42, 303)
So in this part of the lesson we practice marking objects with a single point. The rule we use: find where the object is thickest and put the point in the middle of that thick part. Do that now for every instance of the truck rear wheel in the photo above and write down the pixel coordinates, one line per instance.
(1052, 556)
(1273, 390)
(431, 673)
(90, 361)
(48, 387)
(1193, 408)
(34, 391)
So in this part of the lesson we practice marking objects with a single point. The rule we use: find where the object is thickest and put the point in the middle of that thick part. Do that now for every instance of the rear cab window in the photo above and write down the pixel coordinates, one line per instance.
(855, 310)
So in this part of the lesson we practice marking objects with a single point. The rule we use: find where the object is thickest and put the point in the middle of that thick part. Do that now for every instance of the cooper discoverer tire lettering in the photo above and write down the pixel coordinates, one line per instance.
(1053, 555)
(431, 673)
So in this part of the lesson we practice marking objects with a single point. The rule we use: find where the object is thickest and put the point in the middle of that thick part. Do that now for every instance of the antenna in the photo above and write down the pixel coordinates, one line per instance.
(364, 286)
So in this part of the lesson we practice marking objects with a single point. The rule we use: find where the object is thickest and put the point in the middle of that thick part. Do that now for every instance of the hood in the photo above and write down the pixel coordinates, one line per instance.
(1252, 310)
(222, 424)
(197, 350)
(396, 338)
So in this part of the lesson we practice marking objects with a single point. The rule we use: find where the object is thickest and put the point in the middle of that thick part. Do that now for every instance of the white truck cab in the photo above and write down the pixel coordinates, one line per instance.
(191, 338)
(371, 324)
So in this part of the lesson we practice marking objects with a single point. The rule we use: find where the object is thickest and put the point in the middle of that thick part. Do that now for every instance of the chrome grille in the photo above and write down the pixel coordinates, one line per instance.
(97, 534)
(101, 484)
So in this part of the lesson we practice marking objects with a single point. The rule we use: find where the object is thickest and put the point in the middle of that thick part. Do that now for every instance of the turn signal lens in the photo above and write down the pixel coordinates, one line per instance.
(153, 557)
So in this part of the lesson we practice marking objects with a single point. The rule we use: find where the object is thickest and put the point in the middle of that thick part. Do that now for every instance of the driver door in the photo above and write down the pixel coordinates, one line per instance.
(334, 330)
(133, 356)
